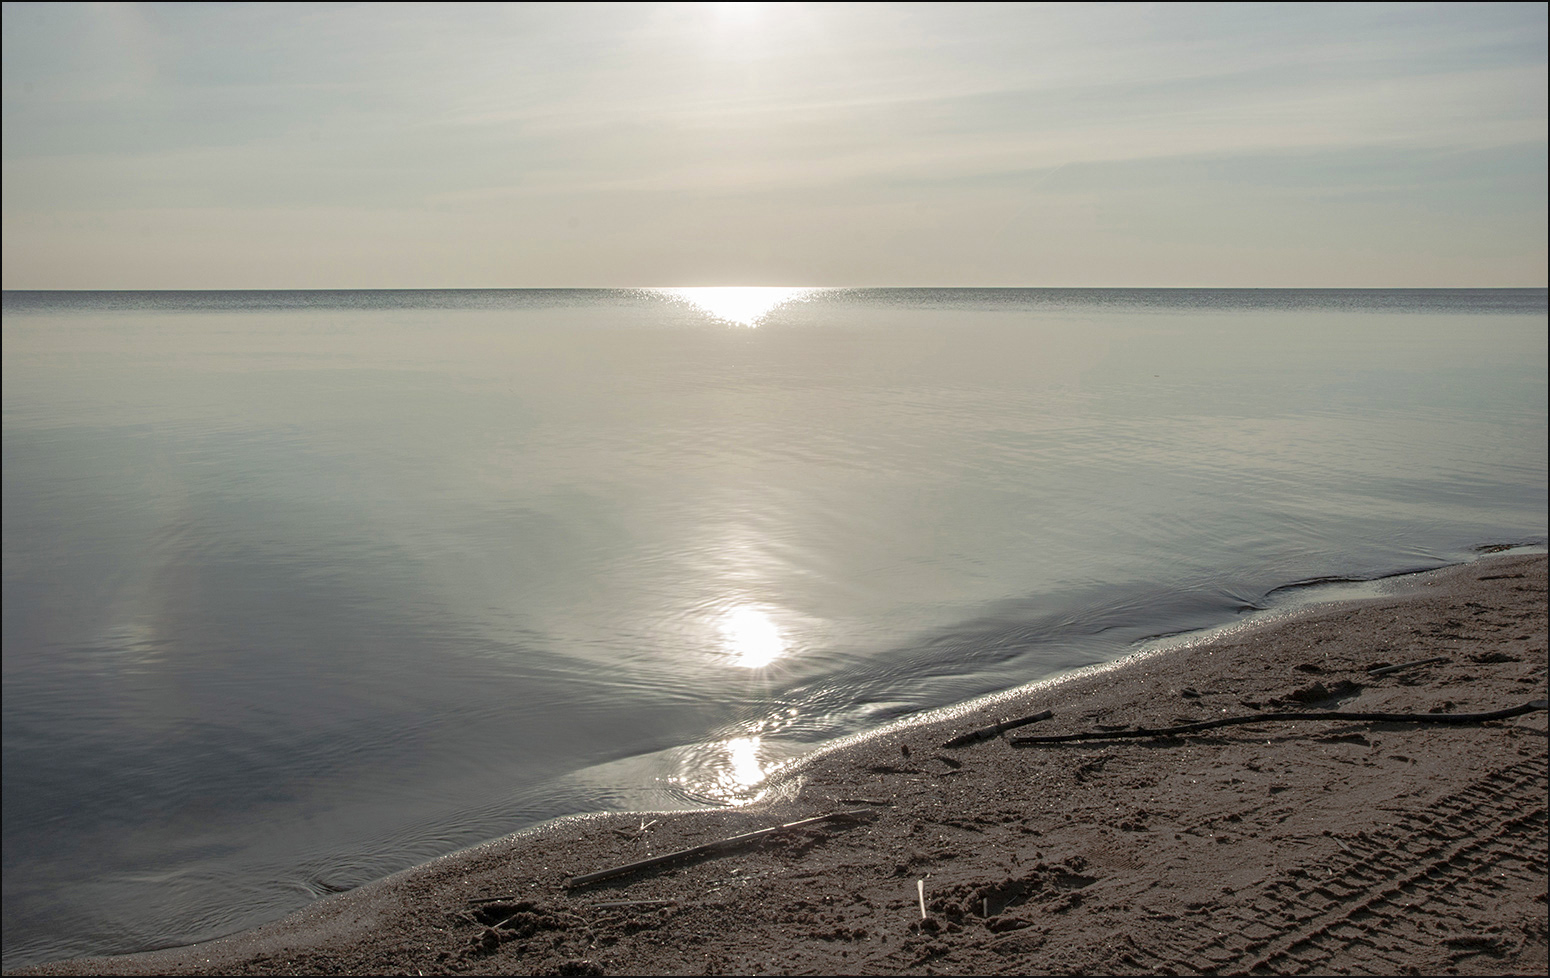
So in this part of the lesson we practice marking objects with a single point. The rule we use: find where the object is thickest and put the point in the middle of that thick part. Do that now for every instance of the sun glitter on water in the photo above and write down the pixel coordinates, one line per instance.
(741, 305)
(743, 770)
(728, 772)
(751, 637)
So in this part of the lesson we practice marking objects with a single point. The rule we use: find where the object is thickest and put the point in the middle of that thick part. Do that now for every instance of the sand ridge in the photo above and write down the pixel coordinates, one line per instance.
(1287, 848)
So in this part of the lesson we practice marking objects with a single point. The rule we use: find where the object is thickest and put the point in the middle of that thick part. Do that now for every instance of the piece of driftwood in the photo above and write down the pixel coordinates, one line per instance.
(1385, 670)
(996, 729)
(710, 847)
(1191, 728)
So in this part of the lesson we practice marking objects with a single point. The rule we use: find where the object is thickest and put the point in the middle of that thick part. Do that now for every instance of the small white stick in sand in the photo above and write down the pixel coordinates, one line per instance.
(920, 889)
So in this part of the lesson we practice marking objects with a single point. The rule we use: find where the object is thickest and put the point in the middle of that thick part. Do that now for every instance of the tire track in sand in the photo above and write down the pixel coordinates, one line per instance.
(1391, 894)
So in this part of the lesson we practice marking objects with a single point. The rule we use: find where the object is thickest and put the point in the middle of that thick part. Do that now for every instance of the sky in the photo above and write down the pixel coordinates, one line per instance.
(194, 146)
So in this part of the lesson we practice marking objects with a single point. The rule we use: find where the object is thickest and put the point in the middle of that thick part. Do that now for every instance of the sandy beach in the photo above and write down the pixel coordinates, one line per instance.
(1309, 846)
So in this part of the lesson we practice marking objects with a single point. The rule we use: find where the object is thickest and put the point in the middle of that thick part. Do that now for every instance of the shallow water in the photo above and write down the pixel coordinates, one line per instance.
(303, 588)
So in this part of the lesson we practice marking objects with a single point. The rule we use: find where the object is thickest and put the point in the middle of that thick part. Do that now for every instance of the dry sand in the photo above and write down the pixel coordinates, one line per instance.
(1313, 846)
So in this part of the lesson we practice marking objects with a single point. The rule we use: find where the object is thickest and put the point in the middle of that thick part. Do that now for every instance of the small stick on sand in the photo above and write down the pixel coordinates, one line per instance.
(996, 729)
(1385, 670)
(920, 891)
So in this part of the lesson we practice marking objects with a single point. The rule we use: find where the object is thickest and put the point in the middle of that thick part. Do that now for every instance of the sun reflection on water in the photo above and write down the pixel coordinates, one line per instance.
(751, 637)
(739, 305)
(735, 771)
(743, 769)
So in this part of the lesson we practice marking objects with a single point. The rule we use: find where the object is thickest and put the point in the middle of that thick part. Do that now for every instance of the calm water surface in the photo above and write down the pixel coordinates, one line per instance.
(303, 588)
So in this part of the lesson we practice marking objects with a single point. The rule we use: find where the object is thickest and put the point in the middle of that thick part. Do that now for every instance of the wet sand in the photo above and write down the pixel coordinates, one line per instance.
(1314, 846)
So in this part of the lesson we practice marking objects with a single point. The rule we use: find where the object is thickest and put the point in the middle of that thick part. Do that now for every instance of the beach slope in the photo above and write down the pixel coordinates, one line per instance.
(1309, 846)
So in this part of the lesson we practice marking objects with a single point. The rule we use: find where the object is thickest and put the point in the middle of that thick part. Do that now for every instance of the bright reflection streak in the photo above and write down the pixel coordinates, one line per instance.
(740, 305)
(738, 769)
(751, 637)
(743, 770)
(730, 772)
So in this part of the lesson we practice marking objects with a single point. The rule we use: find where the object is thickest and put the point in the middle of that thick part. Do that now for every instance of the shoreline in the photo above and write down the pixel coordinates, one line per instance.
(1311, 846)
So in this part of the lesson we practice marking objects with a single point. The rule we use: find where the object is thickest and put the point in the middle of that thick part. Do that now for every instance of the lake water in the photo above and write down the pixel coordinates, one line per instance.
(302, 588)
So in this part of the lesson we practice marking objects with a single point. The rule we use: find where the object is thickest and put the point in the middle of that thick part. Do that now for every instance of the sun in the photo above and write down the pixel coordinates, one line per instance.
(751, 638)
(739, 305)
(737, 16)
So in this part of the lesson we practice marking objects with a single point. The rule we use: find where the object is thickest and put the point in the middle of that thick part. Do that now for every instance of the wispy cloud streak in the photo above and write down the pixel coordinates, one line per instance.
(588, 127)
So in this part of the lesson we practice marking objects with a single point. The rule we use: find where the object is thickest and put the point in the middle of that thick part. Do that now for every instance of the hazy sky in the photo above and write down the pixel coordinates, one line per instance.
(367, 146)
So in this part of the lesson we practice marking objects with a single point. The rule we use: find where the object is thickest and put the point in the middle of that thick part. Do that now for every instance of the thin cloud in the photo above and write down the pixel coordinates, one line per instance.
(660, 109)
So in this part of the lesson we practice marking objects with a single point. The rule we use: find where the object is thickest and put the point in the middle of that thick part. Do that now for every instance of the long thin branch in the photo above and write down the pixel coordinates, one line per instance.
(709, 847)
(1190, 728)
(1385, 670)
(996, 729)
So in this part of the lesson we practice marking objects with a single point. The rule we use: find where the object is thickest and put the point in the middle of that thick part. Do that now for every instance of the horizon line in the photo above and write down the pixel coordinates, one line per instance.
(831, 288)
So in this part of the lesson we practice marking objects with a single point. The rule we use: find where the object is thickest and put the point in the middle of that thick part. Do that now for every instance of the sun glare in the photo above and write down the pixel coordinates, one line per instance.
(729, 771)
(739, 305)
(743, 769)
(751, 638)
(737, 15)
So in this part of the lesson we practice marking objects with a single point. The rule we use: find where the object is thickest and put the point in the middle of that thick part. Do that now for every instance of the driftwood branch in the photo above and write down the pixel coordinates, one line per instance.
(711, 847)
(1191, 728)
(996, 729)
(1385, 670)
